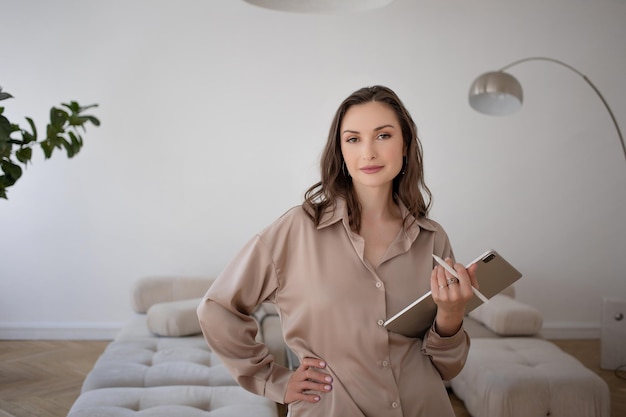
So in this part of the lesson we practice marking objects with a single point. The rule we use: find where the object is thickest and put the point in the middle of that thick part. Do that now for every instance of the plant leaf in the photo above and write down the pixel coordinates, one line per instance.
(12, 172)
(68, 147)
(73, 106)
(58, 117)
(77, 142)
(24, 155)
(5, 149)
(5, 128)
(47, 147)
(33, 136)
(91, 119)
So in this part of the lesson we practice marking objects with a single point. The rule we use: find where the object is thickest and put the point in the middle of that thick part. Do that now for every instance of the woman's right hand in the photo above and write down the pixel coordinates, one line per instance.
(306, 382)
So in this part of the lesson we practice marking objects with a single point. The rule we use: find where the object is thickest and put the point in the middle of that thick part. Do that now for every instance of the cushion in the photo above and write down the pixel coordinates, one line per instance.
(174, 318)
(152, 290)
(506, 316)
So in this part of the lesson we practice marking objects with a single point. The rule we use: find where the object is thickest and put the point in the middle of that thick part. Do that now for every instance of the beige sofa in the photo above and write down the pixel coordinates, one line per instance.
(159, 364)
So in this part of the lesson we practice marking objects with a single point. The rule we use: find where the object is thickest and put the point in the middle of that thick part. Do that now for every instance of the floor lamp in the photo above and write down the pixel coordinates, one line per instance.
(499, 93)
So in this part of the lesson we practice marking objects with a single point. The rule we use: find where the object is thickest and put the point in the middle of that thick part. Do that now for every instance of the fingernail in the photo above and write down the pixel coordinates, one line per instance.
(327, 387)
(322, 364)
(328, 379)
(316, 398)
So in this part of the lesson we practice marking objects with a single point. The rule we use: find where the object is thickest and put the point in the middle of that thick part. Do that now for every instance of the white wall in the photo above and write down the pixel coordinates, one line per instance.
(214, 114)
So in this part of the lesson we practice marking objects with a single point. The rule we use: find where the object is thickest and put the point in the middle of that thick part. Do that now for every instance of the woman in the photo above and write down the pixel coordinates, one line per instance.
(358, 250)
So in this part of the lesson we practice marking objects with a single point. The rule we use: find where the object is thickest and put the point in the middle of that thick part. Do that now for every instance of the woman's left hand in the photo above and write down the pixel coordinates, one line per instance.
(451, 295)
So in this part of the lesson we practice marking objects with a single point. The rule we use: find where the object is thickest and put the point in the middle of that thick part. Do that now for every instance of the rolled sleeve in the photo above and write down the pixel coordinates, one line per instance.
(229, 328)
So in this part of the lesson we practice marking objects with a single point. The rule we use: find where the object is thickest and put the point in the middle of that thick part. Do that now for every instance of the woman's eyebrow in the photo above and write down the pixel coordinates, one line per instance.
(374, 130)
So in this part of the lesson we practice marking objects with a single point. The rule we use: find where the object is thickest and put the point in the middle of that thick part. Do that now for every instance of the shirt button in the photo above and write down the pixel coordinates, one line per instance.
(394, 404)
(380, 322)
(379, 284)
(385, 364)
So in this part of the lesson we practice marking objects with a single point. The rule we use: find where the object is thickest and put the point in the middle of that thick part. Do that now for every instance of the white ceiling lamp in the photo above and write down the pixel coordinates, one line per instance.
(320, 6)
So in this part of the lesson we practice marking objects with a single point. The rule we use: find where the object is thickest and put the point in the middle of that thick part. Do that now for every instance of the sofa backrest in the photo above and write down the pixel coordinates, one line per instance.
(152, 290)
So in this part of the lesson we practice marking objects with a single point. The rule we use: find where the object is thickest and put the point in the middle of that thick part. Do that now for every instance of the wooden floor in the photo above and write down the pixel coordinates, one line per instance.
(43, 378)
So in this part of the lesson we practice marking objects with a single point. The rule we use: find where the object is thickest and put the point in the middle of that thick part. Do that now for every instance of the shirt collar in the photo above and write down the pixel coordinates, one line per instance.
(340, 212)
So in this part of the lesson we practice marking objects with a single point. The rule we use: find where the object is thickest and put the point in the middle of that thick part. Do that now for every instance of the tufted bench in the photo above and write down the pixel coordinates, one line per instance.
(178, 401)
(528, 377)
(160, 365)
(157, 362)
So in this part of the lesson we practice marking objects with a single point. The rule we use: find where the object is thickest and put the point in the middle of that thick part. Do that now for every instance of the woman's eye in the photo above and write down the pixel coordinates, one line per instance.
(384, 136)
(351, 140)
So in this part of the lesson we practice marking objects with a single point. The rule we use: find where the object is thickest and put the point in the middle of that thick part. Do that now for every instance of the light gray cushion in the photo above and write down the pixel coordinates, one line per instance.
(506, 316)
(174, 318)
(152, 290)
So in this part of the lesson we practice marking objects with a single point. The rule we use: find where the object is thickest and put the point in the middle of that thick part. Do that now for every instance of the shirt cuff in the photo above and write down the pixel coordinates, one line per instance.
(276, 385)
(435, 339)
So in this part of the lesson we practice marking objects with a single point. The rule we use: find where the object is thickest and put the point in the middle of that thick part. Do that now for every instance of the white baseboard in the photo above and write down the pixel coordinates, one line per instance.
(59, 331)
(569, 330)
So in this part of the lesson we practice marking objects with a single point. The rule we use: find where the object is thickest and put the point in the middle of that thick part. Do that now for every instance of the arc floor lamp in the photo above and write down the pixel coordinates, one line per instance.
(499, 93)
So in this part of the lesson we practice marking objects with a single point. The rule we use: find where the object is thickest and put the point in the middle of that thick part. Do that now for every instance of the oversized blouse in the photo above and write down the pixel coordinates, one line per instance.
(332, 304)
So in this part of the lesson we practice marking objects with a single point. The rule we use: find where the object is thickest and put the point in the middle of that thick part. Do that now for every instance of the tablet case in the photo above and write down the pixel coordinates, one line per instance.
(494, 274)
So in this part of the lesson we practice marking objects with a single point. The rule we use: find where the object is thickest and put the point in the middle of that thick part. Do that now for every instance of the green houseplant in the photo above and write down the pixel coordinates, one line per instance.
(16, 143)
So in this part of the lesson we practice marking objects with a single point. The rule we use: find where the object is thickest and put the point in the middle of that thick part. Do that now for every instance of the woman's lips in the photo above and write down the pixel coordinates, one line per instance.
(371, 169)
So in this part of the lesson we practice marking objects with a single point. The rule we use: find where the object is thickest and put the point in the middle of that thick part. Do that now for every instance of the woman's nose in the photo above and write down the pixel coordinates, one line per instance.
(368, 152)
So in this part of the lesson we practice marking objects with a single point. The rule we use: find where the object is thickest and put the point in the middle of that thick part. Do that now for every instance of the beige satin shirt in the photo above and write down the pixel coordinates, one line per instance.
(332, 305)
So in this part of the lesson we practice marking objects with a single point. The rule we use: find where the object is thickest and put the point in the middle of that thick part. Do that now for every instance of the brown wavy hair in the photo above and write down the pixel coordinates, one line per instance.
(408, 186)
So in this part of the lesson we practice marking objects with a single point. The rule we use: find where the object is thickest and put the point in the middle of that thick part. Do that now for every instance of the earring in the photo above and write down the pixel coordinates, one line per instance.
(403, 166)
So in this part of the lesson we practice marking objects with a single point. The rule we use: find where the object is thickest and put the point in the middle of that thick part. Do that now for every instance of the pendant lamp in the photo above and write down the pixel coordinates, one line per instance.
(320, 6)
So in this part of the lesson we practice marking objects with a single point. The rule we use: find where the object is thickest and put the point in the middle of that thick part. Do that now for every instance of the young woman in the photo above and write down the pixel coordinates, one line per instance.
(358, 250)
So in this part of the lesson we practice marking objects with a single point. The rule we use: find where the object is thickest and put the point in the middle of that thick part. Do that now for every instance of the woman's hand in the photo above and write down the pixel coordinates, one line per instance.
(451, 295)
(307, 380)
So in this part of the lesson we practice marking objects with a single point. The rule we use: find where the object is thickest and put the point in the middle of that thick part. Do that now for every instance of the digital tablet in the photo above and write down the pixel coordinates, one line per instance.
(493, 273)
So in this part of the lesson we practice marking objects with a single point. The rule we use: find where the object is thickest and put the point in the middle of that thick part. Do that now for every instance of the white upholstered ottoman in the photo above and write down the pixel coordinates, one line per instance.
(172, 401)
(159, 365)
(528, 377)
(157, 362)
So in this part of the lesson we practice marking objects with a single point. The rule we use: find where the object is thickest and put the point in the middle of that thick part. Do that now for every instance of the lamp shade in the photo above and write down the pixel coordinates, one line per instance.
(496, 93)
(320, 6)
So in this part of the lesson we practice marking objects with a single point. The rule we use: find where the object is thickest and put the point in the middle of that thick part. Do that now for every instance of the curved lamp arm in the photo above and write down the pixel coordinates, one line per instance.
(484, 85)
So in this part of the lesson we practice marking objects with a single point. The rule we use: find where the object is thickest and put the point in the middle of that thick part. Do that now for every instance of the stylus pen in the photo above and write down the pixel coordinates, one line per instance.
(454, 274)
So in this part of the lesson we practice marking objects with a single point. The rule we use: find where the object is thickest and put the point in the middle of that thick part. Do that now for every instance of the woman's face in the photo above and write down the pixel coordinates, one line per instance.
(372, 144)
